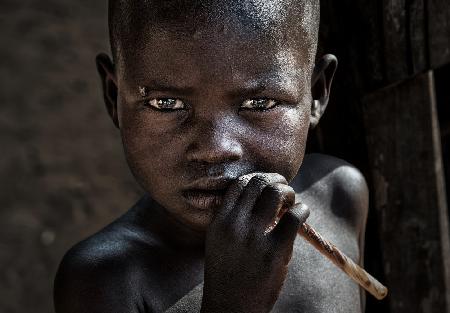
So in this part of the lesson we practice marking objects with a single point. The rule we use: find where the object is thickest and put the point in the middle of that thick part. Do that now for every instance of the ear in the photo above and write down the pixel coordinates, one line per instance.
(105, 68)
(322, 79)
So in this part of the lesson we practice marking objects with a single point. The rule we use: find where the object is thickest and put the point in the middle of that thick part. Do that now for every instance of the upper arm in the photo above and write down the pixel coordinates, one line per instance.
(351, 197)
(339, 188)
(352, 188)
(85, 284)
(341, 191)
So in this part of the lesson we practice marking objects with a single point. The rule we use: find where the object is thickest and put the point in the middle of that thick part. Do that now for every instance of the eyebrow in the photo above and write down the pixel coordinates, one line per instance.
(261, 86)
(251, 89)
(246, 91)
(154, 86)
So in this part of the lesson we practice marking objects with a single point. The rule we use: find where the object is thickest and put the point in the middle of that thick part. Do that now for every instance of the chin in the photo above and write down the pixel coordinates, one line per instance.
(199, 221)
(191, 218)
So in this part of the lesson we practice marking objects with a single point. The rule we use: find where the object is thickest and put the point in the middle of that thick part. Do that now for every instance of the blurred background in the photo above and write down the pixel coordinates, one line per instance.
(63, 175)
(62, 170)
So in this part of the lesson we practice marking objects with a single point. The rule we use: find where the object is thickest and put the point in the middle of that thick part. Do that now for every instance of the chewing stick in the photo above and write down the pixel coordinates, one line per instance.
(346, 264)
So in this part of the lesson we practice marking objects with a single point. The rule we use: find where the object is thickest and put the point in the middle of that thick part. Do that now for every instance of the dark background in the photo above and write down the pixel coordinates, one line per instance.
(63, 174)
(62, 170)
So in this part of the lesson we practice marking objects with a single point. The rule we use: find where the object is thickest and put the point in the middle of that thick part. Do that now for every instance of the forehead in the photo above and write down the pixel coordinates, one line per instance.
(262, 15)
(218, 64)
(289, 21)
(248, 38)
(274, 15)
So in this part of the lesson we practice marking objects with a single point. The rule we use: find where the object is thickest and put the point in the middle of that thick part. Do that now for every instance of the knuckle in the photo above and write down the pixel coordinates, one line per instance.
(261, 176)
(300, 212)
(243, 180)
(276, 177)
(257, 181)
(294, 220)
(239, 183)
(273, 195)
(281, 194)
(273, 190)
(288, 191)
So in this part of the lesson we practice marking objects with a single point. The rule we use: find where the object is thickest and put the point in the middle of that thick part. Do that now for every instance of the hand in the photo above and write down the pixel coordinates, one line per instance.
(245, 267)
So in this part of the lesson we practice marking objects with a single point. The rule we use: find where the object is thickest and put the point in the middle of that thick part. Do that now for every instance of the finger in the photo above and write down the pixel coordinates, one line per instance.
(233, 193)
(233, 196)
(273, 198)
(251, 193)
(286, 230)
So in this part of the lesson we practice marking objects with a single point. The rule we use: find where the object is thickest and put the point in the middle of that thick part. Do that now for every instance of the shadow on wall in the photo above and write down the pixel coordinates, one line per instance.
(63, 174)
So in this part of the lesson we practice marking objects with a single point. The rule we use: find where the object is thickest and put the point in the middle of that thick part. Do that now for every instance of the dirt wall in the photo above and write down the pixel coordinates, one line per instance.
(62, 170)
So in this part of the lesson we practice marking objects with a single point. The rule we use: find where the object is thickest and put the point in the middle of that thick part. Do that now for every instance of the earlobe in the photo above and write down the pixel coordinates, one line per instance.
(321, 81)
(315, 113)
(105, 68)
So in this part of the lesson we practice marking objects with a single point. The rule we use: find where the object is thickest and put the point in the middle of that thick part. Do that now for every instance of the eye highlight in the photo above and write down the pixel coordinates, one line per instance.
(259, 104)
(166, 104)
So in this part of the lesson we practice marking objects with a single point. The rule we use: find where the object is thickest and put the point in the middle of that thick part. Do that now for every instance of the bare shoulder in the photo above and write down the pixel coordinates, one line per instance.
(103, 274)
(337, 187)
(336, 193)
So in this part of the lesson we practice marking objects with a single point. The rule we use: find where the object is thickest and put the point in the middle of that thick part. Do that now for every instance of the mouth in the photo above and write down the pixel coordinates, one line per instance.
(206, 193)
(204, 199)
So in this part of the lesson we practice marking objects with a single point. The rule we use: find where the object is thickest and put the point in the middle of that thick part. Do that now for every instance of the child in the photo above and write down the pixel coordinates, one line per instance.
(214, 100)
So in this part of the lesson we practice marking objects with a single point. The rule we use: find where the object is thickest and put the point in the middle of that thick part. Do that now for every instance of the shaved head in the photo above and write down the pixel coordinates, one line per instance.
(293, 23)
(213, 87)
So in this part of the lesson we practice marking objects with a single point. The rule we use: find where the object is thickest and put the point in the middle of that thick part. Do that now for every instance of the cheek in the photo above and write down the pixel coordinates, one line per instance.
(145, 132)
(146, 150)
(281, 148)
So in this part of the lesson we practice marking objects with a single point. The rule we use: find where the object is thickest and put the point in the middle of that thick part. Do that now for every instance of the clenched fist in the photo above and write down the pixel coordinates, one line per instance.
(245, 266)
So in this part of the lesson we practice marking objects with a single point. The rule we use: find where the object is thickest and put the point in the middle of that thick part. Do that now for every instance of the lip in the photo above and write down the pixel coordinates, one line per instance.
(206, 193)
(209, 183)
(204, 199)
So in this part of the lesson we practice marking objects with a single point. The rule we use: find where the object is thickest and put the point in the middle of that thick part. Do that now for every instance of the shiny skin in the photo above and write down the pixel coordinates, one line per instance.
(145, 261)
(164, 245)
(213, 136)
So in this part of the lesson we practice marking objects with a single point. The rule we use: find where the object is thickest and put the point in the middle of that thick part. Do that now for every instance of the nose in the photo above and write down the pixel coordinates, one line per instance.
(215, 142)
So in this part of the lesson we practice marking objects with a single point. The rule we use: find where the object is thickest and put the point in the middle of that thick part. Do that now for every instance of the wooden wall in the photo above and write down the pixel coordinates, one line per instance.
(389, 116)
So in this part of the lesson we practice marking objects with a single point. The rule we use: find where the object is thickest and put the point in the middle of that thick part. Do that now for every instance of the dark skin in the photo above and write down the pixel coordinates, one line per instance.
(215, 133)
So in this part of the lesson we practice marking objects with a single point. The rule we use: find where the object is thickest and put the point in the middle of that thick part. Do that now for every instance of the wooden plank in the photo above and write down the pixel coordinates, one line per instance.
(442, 199)
(439, 32)
(405, 39)
(409, 197)
(417, 30)
(395, 40)
(442, 76)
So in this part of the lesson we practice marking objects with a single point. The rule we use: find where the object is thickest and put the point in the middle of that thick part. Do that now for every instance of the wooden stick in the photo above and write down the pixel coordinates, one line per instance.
(353, 270)
(346, 264)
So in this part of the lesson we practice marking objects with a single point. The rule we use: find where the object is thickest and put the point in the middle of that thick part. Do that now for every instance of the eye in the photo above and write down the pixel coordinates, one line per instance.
(166, 104)
(258, 104)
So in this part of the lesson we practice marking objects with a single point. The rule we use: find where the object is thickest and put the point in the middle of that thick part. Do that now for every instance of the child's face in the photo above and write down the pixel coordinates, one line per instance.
(234, 104)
